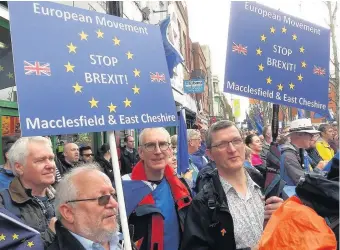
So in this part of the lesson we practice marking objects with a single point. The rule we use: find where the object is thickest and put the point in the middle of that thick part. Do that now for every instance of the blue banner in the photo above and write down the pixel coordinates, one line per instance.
(193, 86)
(81, 71)
(278, 58)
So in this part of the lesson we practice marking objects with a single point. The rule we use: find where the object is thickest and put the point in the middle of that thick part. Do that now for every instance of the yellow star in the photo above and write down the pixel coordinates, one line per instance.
(129, 55)
(30, 244)
(303, 64)
(136, 72)
(302, 49)
(294, 37)
(112, 107)
(15, 236)
(71, 48)
(93, 103)
(1, 68)
(260, 67)
(284, 29)
(300, 77)
(272, 30)
(269, 80)
(280, 87)
(69, 67)
(127, 103)
(291, 85)
(83, 36)
(263, 38)
(10, 75)
(100, 34)
(259, 52)
(135, 89)
(116, 41)
(2, 237)
(77, 88)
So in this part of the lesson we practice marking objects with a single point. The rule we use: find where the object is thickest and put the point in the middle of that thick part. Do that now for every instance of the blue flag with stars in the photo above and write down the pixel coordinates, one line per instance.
(14, 234)
(81, 71)
(278, 58)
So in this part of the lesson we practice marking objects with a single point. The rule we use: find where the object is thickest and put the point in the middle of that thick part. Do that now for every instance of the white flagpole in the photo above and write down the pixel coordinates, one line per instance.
(119, 190)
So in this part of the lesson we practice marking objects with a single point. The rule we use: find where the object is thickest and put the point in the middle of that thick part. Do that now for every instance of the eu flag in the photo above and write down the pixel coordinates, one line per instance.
(80, 71)
(182, 145)
(276, 57)
(14, 234)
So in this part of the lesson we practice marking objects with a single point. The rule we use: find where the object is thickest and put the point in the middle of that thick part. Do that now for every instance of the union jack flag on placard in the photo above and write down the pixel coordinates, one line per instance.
(240, 49)
(37, 68)
(319, 71)
(156, 77)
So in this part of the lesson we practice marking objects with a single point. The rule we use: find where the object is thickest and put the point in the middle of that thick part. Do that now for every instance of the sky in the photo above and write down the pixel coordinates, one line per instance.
(209, 20)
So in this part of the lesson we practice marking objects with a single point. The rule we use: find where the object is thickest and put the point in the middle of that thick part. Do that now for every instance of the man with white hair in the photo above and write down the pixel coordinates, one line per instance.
(30, 195)
(158, 219)
(87, 211)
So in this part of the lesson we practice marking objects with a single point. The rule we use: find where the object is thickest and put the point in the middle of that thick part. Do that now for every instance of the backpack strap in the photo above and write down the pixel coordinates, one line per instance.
(8, 203)
(212, 204)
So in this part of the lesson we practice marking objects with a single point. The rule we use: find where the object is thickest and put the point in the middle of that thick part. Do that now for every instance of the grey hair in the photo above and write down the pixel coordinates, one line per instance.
(174, 140)
(216, 127)
(66, 190)
(19, 150)
(142, 134)
(191, 133)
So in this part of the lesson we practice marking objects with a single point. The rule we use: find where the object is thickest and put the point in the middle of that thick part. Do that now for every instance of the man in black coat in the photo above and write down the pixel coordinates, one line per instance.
(229, 212)
(129, 156)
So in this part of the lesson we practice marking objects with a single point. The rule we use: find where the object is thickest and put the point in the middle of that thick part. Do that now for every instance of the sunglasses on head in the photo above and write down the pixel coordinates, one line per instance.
(102, 200)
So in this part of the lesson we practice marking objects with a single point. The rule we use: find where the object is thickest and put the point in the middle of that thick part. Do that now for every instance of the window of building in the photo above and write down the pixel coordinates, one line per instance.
(183, 49)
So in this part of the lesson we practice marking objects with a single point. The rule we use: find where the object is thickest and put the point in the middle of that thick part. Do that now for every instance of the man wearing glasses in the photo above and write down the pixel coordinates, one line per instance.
(86, 209)
(159, 217)
(229, 212)
(86, 154)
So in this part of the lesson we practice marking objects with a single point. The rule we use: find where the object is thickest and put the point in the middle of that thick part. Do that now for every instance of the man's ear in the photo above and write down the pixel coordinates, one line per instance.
(208, 153)
(140, 153)
(19, 169)
(67, 213)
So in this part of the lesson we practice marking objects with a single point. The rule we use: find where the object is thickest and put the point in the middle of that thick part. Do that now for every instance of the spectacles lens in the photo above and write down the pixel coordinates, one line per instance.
(150, 146)
(163, 145)
(103, 200)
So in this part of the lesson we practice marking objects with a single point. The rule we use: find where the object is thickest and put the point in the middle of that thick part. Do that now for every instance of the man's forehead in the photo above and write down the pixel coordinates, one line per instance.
(226, 132)
(155, 135)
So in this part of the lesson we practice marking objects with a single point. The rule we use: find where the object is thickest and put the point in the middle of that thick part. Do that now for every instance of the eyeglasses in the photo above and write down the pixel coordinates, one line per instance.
(88, 155)
(102, 200)
(224, 144)
(151, 146)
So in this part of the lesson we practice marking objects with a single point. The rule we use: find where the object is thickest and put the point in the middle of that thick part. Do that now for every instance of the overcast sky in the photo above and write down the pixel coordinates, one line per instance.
(209, 20)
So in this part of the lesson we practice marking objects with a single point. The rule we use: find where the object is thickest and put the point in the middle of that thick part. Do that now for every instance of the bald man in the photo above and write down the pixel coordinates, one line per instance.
(69, 159)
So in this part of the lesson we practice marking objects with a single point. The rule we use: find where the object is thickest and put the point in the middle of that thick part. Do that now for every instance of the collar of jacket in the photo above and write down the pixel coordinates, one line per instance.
(21, 195)
(65, 239)
(179, 191)
(218, 191)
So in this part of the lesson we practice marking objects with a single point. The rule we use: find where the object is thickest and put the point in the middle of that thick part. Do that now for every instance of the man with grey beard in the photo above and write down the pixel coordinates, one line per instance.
(86, 210)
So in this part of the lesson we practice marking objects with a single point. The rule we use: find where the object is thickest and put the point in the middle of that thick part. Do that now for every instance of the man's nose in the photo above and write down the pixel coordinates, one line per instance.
(231, 148)
(112, 203)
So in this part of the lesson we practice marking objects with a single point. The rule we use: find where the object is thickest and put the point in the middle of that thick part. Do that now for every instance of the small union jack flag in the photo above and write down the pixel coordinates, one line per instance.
(37, 68)
(240, 49)
(319, 71)
(156, 77)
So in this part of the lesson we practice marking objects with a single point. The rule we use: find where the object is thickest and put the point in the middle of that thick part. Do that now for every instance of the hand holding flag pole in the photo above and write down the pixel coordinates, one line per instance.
(119, 190)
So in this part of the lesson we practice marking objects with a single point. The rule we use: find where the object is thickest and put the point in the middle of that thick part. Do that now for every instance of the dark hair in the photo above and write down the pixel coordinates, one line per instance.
(82, 149)
(249, 139)
(126, 138)
(216, 127)
(104, 149)
(8, 141)
(324, 127)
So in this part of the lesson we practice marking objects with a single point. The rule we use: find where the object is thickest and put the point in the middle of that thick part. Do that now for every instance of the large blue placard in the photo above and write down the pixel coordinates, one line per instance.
(80, 71)
(277, 58)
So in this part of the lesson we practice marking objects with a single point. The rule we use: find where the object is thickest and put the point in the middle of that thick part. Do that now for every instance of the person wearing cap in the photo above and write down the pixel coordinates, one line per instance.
(302, 135)
(322, 145)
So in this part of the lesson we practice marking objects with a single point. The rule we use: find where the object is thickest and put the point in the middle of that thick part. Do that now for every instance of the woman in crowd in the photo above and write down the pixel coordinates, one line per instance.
(255, 144)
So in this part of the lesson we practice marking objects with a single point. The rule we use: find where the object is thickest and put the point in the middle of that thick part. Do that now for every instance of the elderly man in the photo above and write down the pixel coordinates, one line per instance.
(70, 158)
(159, 217)
(30, 195)
(229, 212)
(86, 209)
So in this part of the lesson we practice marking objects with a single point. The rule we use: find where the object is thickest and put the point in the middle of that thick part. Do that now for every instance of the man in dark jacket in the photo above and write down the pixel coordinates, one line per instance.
(87, 217)
(129, 156)
(30, 195)
(69, 159)
(158, 220)
(230, 211)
